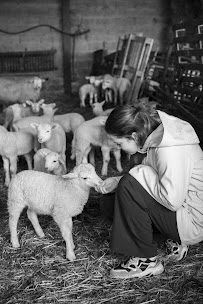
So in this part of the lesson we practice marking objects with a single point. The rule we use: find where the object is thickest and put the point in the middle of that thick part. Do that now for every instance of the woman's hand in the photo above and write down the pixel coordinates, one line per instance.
(107, 186)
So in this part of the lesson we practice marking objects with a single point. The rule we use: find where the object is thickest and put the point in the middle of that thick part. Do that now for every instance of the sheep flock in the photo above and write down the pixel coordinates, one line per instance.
(50, 140)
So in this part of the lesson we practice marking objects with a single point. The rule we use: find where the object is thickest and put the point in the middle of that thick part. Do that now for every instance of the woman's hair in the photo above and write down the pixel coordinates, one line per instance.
(124, 120)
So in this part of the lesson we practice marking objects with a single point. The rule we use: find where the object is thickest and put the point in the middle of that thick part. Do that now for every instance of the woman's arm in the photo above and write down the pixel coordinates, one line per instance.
(167, 180)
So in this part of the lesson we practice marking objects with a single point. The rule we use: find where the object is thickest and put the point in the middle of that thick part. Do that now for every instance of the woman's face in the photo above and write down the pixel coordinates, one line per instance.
(128, 145)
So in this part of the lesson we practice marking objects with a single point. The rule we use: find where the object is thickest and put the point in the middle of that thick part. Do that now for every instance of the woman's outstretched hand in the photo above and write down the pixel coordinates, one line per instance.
(107, 186)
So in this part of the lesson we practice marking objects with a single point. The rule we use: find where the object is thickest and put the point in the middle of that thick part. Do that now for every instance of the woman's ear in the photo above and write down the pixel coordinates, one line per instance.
(134, 136)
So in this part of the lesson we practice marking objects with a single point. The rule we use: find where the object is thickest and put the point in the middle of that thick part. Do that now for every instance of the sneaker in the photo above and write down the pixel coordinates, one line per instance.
(137, 268)
(176, 251)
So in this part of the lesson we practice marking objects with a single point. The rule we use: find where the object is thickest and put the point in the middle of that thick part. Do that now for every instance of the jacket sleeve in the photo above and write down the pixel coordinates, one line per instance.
(166, 175)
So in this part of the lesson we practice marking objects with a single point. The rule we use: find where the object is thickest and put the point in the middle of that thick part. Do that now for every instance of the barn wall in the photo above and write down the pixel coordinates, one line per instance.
(106, 20)
(20, 15)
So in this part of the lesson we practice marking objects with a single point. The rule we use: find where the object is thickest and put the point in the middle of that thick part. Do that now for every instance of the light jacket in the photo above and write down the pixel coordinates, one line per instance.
(172, 173)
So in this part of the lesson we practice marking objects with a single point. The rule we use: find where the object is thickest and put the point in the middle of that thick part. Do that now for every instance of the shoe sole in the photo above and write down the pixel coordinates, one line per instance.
(148, 272)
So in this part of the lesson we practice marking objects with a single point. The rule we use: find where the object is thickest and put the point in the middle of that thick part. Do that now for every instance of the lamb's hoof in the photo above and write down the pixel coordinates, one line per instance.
(41, 235)
(15, 245)
(70, 257)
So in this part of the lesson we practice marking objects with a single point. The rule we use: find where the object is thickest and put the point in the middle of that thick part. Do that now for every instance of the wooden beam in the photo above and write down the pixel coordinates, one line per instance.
(66, 40)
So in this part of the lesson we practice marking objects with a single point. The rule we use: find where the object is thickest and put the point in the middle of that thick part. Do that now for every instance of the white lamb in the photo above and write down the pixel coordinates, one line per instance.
(62, 197)
(48, 161)
(97, 109)
(51, 136)
(91, 133)
(119, 86)
(88, 90)
(20, 89)
(12, 145)
(17, 111)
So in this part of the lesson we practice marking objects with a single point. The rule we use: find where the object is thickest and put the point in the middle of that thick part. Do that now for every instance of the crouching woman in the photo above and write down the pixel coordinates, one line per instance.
(165, 190)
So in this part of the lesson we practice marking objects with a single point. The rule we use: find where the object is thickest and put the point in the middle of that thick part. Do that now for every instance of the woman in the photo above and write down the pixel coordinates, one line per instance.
(165, 190)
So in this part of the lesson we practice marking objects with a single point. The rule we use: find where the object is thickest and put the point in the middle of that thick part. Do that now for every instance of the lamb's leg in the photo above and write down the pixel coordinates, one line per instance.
(117, 155)
(28, 158)
(13, 165)
(115, 96)
(35, 223)
(91, 97)
(14, 214)
(82, 101)
(66, 231)
(6, 165)
(106, 160)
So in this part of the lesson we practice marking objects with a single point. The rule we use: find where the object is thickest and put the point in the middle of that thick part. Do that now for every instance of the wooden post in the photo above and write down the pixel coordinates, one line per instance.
(66, 39)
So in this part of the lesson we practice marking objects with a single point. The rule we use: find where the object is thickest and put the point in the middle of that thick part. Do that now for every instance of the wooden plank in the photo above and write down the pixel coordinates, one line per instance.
(139, 73)
(66, 40)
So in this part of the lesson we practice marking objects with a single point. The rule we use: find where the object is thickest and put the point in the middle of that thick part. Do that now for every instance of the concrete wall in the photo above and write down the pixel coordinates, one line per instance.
(106, 20)
(109, 19)
(20, 15)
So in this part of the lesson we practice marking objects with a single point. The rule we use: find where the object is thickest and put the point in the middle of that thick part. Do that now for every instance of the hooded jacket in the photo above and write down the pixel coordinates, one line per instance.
(172, 173)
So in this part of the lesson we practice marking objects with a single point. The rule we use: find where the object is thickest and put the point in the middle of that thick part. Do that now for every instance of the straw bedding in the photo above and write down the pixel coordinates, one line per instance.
(39, 273)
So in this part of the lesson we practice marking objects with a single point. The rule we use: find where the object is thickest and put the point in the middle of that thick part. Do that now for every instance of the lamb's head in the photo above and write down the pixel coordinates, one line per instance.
(44, 131)
(49, 109)
(35, 105)
(86, 173)
(53, 161)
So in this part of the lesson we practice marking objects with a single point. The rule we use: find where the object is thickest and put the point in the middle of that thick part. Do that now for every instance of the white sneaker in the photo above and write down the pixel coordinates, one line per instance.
(137, 268)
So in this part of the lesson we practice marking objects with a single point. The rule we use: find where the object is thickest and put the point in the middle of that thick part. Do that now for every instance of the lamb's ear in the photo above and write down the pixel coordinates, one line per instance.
(70, 175)
(103, 121)
(61, 160)
(103, 102)
(54, 110)
(40, 101)
(84, 160)
(29, 102)
(34, 125)
(54, 125)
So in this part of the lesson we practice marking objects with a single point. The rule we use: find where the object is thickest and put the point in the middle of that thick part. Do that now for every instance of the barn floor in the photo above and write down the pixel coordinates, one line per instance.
(39, 273)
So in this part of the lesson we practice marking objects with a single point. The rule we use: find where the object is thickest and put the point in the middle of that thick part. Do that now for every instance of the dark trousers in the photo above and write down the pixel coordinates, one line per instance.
(134, 213)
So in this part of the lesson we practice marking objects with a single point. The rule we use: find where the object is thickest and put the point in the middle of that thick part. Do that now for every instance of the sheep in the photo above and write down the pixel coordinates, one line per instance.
(33, 108)
(97, 109)
(47, 117)
(48, 161)
(88, 90)
(19, 90)
(12, 145)
(120, 87)
(69, 121)
(51, 136)
(97, 82)
(91, 133)
(62, 197)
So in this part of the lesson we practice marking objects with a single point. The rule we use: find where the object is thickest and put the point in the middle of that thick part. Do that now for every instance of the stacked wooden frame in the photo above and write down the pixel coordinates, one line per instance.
(132, 55)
